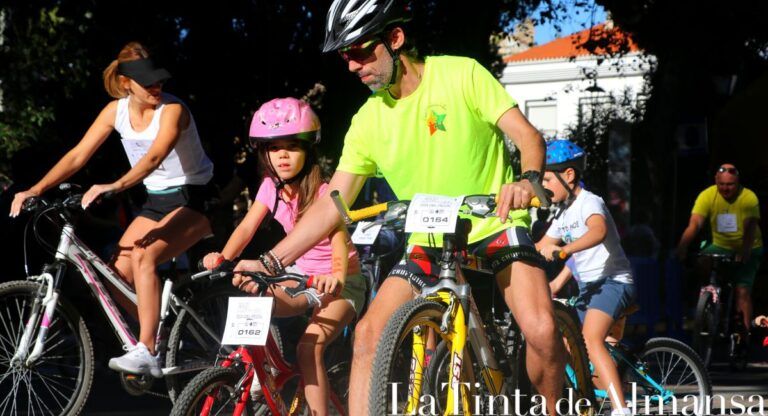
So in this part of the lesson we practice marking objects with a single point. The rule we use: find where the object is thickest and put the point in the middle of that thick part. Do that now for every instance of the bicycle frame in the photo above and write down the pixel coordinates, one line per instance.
(457, 327)
(90, 266)
(638, 368)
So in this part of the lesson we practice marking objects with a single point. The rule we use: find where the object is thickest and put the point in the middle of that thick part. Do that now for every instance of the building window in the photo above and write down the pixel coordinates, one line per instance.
(543, 115)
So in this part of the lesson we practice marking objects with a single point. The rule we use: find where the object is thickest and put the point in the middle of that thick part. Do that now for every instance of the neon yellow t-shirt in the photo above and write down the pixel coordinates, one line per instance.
(727, 219)
(442, 139)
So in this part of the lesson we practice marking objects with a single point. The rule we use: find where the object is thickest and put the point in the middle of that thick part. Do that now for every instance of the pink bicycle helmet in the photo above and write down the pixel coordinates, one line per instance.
(284, 118)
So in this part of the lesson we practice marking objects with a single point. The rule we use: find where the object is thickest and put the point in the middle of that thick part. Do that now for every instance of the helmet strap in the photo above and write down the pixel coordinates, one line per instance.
(571, 195)
(395, 61)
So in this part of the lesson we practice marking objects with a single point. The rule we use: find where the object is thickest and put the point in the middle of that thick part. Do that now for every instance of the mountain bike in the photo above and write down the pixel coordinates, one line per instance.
(664, 376)
(255, 379)
(716, 317)
(476, 363)
(46, 351)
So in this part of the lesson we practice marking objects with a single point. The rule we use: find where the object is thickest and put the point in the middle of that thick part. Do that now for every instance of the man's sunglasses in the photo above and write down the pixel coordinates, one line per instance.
(732, 171)
(359, 52)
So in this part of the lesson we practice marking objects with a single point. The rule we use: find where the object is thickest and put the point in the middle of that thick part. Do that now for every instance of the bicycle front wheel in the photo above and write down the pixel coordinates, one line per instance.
(671, 375)
(214, 391)
(579, 379)
(190, 344)
(705, 328)
(58, 382)
(391, 376)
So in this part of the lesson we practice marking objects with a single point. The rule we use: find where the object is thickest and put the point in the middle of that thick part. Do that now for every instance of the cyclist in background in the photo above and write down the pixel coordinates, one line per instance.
(285, 132)
(588, 233)
(434, 126)
(161, 140)
(733, 213)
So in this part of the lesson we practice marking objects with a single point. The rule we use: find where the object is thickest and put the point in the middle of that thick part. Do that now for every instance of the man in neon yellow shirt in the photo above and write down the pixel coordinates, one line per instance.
(733, 212)
(434, 126)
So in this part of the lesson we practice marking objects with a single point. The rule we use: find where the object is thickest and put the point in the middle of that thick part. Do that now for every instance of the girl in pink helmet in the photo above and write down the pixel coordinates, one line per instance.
(284, 131)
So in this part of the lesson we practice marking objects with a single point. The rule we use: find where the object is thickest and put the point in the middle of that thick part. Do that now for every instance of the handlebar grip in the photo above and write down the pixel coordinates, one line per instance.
(560, 255)
(535, 202)
(367, 212)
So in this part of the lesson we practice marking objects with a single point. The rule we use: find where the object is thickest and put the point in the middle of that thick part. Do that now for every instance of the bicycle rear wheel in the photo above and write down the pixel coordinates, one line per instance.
(705, 328)
(391, 375)
(59, 381)
(678, 370)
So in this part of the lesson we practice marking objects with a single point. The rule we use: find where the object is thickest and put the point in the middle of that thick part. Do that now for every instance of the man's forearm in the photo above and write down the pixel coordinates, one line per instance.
(316, 224)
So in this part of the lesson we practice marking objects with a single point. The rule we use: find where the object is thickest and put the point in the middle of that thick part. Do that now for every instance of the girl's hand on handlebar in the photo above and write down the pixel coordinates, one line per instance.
(245, 283)
(94, 193)
(548, 251)
(212, 260)
(18, 201)
(762, 321)
(325, 283)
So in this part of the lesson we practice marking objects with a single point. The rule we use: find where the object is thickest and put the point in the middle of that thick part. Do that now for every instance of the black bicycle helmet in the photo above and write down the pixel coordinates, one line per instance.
(351, 20)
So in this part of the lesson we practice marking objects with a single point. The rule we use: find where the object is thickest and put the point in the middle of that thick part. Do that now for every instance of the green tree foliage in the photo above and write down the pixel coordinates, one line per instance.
(227, 58)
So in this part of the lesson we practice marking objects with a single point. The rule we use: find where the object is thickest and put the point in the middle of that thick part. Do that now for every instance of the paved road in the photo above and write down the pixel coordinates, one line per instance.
(108, 398)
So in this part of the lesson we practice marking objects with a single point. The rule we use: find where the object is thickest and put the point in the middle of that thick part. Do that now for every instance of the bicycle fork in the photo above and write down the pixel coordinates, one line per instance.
(47, 304)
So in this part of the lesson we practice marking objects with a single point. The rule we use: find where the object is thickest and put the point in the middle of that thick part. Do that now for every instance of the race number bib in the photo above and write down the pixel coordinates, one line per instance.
(248, 321)
(432, 214)
(365, 233)
(726, 223)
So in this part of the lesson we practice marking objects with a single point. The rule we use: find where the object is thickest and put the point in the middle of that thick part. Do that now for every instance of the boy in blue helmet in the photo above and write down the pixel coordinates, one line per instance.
(586, 231)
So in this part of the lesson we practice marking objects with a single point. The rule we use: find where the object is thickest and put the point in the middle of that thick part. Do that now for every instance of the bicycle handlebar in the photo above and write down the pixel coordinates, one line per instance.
(226, 270)
(480, 205)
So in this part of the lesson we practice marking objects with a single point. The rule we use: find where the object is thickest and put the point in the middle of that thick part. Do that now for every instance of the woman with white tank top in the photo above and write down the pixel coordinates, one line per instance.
(161, 141)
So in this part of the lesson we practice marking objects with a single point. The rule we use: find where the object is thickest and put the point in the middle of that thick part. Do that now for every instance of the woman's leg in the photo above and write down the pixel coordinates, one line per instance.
(171, 236)
(121, 261)
(596, 326)
(325, 326)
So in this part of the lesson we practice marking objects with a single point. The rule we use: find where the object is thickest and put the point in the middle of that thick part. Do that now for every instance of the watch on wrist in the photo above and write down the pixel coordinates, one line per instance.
(533, 176)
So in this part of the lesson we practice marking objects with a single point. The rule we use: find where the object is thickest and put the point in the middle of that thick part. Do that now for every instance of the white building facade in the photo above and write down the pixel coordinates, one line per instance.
(551, 82)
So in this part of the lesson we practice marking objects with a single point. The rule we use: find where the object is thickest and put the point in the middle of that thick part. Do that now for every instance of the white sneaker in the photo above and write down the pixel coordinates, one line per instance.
(137, 360)
(625, 411)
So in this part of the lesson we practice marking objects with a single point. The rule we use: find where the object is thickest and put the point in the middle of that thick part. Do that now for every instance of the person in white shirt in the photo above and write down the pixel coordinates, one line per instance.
(163, 147)
(586, 231)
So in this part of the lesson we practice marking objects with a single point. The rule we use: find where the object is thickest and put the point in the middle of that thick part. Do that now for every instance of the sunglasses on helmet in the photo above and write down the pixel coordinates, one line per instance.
(360, 51)
(731, 170)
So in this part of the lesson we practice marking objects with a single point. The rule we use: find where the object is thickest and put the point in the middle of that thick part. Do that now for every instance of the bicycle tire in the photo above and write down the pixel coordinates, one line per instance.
(58, 372)
(188, 343)
(218, 381)
(663, 359)
(706, 326)
(570, 326)
(393, 353)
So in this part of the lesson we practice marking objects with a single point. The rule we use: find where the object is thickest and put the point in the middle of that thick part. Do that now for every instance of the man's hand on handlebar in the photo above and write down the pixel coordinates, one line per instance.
(245, 283)
(515, 195)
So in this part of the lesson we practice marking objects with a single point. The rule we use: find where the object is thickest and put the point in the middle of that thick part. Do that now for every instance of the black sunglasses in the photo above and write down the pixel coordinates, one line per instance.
(733, 171)
(359, 52)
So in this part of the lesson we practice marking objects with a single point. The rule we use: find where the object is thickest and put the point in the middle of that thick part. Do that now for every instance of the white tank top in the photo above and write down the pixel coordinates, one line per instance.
(186, 163)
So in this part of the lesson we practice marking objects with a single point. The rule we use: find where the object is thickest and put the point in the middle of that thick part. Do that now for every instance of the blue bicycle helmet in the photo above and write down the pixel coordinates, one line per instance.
(563, 154)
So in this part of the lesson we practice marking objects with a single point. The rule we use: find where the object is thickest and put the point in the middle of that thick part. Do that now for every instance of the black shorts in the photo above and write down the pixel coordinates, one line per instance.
(420, 265)
(161, 203)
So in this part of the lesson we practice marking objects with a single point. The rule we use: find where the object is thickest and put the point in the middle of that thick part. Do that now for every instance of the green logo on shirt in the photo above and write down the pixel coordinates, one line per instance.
(435, 121)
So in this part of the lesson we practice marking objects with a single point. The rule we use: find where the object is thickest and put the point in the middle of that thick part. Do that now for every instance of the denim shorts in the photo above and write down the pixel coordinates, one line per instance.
(607, 295)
